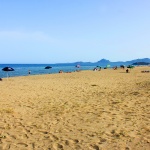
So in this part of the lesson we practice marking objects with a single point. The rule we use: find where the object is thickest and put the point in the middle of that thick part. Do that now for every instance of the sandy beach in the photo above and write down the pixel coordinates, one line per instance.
(87, 110)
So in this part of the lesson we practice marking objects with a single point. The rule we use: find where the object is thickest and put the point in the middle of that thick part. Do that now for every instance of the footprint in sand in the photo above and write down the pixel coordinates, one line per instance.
(44, 132)
(95, 147)
(69, 142)
(58, 146)
(75, 141)
(54, 138)
(127, 148)
(13, 136)
(22, 145)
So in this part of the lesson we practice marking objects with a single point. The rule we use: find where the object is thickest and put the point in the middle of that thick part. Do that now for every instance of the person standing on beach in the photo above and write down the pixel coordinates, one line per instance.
(29, 72)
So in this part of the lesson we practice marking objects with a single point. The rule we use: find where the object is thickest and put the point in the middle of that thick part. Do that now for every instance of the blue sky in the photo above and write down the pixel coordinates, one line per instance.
(54, 31)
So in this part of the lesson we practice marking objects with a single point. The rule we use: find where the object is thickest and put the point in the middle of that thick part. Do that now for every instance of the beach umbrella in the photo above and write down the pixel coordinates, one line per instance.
(48, 67)
(99, 67)
(107, 66)
(7, 69)
(130, 66)
(122, 66)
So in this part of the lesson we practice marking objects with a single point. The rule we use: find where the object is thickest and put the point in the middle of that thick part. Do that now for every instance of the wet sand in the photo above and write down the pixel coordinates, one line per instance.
(87, 110)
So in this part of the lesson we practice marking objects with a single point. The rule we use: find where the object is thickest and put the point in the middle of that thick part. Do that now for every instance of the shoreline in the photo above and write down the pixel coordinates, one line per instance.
(110, 68)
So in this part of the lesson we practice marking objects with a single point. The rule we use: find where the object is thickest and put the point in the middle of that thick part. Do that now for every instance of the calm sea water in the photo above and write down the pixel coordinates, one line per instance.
(37, 69)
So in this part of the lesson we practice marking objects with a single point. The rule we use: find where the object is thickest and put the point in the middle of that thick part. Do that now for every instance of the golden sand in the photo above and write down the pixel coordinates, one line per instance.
(87, 110)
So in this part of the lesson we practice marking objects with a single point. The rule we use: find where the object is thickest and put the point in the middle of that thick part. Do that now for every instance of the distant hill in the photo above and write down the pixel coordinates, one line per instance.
(104, 62)
(141, 63)
(147, 60)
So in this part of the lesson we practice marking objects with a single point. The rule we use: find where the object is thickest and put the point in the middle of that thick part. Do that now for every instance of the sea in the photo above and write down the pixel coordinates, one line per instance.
(39, 69)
